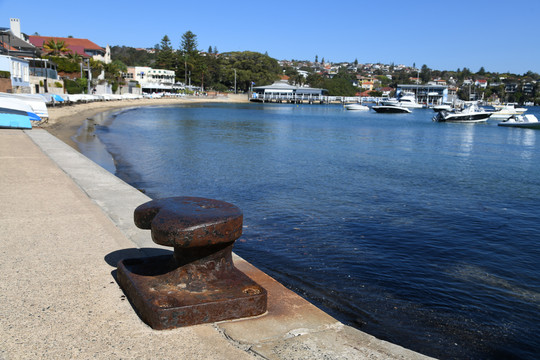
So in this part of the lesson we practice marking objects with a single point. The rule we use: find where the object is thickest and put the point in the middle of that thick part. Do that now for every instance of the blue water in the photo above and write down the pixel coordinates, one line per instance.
(423, 234)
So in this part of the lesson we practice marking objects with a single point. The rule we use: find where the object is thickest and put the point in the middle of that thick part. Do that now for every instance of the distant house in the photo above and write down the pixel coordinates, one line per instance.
(425, 94)
(386, 91)
(511, 88)
(528, 89)
(83, 47)
(481, 83)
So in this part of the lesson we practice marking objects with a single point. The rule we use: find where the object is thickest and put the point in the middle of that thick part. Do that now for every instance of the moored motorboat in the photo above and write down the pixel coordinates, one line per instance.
(470, 114)
(504, 112)
(391, 109)
(409, 101)
(356, 106)
(524, 121)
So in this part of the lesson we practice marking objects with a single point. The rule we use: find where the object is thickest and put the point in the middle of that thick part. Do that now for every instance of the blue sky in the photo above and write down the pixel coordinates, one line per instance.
(499, 35)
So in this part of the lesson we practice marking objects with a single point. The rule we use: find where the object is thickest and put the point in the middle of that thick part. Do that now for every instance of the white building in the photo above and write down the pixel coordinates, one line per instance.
(152, 80)
(20, 73)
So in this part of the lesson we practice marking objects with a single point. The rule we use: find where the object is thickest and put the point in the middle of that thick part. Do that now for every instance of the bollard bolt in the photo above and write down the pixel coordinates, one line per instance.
(199, 282)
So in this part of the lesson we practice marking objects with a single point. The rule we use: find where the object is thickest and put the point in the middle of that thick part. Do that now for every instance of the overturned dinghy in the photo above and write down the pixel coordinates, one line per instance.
(14, 119)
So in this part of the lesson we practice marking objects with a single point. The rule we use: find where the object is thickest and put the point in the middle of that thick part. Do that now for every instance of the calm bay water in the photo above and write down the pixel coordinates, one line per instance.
(423, 234)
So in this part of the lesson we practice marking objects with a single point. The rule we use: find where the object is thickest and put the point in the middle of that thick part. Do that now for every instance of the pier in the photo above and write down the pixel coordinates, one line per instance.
(310, 99)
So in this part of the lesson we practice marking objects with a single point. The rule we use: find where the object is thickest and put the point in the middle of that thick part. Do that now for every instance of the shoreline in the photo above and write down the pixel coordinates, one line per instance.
(64, 121)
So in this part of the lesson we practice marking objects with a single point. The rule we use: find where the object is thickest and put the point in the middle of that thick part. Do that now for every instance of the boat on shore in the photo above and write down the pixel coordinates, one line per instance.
(16, 114)
(470, 114)
(35, 101)
(528, 121)
(395, 109)
(14, 119)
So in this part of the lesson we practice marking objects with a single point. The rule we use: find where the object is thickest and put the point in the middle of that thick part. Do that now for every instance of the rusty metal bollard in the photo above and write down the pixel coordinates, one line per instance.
(198, 283)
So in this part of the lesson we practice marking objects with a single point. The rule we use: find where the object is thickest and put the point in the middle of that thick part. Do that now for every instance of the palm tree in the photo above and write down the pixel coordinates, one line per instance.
(74, 56)
(54, 47)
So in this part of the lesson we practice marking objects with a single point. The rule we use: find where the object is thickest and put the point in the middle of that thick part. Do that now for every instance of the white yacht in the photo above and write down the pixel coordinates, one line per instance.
(409, 101)
(504, 112)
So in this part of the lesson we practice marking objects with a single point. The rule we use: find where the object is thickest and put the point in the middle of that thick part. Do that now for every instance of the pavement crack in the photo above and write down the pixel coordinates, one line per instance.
(248, 348)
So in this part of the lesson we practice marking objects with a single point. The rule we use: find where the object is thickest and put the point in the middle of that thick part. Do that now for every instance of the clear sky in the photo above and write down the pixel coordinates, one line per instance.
(501, 36)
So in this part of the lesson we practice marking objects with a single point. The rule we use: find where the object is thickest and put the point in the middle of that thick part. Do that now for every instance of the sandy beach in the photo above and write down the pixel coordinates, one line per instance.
(64, 121)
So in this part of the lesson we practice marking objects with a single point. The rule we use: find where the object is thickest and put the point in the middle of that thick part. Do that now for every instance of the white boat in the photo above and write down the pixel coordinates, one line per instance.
(356, 106)
(409, 101)
(36, 102)
(14, 119)
(15, 114)
(442, 107)
(524, 121)
(8, 105)
(470, 114)
(504, 112)
(390, 109)
(389, 102)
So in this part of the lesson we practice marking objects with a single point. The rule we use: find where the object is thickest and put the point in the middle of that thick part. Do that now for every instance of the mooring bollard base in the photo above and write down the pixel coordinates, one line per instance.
(164, 302)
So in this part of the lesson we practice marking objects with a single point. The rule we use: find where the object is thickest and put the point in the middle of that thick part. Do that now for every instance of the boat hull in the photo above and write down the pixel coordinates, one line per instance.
(522, 121)
(14, 119)
(390, 109)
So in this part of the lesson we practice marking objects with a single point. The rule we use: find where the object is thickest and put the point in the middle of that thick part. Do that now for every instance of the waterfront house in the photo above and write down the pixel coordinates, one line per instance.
(151, 80)
(19, 70)
(282, 91)
(29, 73)
(82, 47)
(426, 94)
(14, 43)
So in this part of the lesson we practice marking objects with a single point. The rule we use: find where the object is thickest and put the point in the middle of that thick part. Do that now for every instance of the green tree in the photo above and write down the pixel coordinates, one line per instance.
(189, 57)
(165, 58)
(425, 74)
(339, 86)
(133, 57)
(251, 67)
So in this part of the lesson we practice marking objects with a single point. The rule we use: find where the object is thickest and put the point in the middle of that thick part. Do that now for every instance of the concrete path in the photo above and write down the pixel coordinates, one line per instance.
(65, 222)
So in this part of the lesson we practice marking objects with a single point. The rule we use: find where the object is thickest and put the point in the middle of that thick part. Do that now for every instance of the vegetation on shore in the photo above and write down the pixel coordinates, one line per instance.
(229, 71)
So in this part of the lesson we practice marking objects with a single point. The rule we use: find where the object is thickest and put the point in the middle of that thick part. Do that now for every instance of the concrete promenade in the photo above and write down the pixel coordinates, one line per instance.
(65, 222)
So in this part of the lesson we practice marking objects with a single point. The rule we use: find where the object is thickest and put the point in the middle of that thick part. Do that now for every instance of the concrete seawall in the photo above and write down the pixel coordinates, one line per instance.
(65, 224)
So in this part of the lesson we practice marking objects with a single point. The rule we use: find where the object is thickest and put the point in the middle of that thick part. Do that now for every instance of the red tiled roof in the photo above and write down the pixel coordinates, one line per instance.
(76, 45)
(7, 46)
